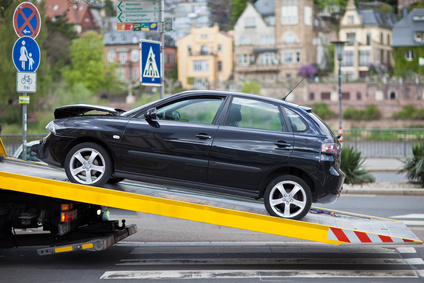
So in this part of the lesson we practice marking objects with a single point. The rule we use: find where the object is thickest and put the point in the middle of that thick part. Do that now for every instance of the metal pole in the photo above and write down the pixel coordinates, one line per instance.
(162, 40)
(24, 130)
(340, 104)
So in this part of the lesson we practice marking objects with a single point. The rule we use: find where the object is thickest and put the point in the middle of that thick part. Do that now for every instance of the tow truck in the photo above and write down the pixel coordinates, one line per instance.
(35, 195)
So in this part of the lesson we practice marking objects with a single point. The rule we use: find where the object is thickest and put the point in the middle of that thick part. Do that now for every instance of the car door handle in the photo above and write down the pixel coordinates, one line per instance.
(203, 136)
(282, 144)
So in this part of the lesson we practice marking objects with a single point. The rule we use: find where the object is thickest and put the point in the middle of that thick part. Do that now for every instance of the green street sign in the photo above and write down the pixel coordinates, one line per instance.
(138, 7)
(138, 17)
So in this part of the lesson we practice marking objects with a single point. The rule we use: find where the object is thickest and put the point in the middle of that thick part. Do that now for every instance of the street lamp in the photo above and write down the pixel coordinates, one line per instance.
(339, 46)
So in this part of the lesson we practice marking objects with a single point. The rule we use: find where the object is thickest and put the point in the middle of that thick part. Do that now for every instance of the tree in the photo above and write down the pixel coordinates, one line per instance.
(110, 9)
(307, 71)
(237, 8)
(60, 35)
(251, 86)
(87, 65)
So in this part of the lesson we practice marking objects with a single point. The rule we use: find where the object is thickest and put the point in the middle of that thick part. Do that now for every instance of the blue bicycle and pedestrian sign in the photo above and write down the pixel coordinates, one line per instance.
(26, 54)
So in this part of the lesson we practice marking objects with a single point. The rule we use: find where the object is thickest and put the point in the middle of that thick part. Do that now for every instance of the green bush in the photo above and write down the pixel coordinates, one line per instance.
(322, 110)
(370, 113)
(414, 166)
(352, 166)
(409, 113)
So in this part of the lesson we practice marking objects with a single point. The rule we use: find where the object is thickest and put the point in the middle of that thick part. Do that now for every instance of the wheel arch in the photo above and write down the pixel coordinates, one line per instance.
(288, 170)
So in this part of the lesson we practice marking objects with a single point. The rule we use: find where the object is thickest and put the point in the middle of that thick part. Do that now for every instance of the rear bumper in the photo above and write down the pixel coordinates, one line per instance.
(331, 186)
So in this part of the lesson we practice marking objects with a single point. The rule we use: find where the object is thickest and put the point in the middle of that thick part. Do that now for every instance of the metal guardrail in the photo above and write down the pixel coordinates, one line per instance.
(13, 141)
(391, 143)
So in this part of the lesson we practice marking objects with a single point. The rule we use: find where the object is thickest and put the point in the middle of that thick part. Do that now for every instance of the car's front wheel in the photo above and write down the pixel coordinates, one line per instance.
(288, 197)
(88, 164)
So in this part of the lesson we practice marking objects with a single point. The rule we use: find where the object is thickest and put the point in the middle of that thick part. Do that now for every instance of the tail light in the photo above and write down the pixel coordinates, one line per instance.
(68, 214)
(332, 148)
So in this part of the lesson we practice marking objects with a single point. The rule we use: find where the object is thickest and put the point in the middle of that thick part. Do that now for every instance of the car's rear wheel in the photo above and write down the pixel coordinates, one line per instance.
(288, 197)
(88, 164)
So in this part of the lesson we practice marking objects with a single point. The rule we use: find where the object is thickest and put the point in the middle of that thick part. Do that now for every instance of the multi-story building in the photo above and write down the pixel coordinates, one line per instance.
(188, 14)
(79, 15)
(273, 39)
(123, 47)
(408, 43)
(368, 36)
(205, 58)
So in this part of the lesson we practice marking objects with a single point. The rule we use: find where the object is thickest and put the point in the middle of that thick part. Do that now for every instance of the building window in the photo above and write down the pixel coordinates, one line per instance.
(289, 37)
(111, 56)
(267, 39)
(203, 36)
(364, 58)
(120, 73)
(368, 38)
(348, 58)
(388, 40)
(219, 47)
(325, 95)
(289, 14)
(201, 66)
(350, 20)
(297, 57)
(358, 96)
(381, 38)
(288, 57)
(219, 66)
(308, 15)
(122, 57)
(419, 36)
(345, 95)
(392, 95)
(244, 40)
(134, 55)
(204, 50)
(311, 96)
(135, 73)
(249, 22)
(351, 37)
(266, 58)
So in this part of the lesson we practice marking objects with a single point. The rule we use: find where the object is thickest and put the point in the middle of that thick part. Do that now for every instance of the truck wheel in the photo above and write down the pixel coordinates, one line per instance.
(88, 164)
(288, 197)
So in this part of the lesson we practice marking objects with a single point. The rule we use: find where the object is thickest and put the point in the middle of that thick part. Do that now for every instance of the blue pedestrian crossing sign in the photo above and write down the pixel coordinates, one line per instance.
(26, 54)
(150, 63)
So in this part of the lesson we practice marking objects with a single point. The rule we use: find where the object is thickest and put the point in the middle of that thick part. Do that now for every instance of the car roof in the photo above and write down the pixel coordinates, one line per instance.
(247, 95)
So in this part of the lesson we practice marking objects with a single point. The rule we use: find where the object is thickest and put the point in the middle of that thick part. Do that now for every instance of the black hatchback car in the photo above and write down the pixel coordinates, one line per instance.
(229, 142)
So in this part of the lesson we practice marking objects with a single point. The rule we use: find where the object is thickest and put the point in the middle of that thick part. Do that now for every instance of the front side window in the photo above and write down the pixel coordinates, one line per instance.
(254, 114)
(193, 110)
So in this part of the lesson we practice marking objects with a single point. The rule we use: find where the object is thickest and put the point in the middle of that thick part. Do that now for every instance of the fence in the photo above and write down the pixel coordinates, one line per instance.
(393, 143)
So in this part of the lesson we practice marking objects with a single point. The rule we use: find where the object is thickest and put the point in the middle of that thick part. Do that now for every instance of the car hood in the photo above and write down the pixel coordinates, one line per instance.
(81, 109)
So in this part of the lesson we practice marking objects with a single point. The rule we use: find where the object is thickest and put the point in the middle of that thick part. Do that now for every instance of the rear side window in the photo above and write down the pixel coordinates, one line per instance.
(296, 121)
(254, 114)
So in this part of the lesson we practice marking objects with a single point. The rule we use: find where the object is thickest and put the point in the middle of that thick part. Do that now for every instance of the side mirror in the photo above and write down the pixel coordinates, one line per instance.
(150, 114)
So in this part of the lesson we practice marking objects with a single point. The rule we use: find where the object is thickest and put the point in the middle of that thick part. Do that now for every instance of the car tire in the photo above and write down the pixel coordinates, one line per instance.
(88, 164)
(288, 197)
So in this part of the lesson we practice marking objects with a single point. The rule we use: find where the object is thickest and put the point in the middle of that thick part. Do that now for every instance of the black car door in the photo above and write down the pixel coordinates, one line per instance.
(177, 144)
(252, 141)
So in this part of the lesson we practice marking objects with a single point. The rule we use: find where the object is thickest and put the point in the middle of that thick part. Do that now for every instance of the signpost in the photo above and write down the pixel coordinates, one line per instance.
(150, 63)
(26, 57)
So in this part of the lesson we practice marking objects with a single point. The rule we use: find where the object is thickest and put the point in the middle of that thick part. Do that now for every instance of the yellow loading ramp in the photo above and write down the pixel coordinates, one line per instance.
(332, 227)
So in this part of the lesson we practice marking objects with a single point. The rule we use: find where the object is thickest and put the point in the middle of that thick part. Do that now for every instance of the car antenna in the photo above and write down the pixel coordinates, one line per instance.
(284, 98)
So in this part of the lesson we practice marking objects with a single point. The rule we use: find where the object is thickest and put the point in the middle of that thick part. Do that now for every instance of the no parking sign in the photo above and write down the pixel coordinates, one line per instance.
(26, 20)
